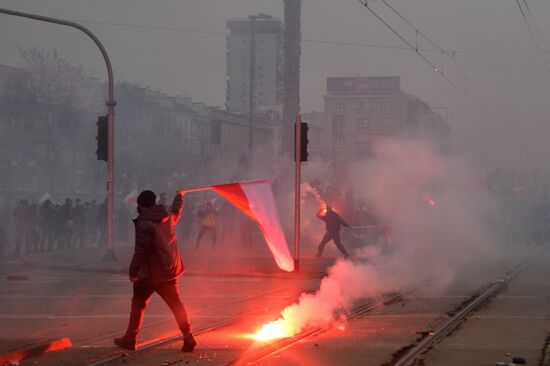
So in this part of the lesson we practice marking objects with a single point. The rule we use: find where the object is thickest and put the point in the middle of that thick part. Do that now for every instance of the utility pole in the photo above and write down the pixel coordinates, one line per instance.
(291, 82)
(110, 254)
(252, 71)
(297, 182)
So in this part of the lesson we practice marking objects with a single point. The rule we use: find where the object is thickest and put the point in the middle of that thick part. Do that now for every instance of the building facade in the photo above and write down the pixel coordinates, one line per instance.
(254, 64)
(362, 111)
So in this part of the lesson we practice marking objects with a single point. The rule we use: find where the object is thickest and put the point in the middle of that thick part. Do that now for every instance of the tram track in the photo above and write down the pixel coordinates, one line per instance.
(407, 356)
(421, 346)
(409, 353)
(274, 348)
(227, 321)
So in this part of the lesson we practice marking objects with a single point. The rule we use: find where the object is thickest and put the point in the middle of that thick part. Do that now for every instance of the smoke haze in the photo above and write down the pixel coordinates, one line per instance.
(430, 242)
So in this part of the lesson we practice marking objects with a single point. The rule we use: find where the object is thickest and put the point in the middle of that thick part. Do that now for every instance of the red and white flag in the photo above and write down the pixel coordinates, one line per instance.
(256, 200)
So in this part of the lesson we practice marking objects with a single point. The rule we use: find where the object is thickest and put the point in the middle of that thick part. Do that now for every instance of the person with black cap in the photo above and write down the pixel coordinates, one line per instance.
(156, 266)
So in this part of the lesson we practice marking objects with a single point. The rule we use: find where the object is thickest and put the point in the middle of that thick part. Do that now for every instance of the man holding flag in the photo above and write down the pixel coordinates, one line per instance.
(156, 266)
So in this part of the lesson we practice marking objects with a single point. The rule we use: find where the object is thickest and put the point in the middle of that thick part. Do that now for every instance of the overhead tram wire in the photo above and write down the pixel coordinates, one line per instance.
(303, 40)
(533, 38)
(198, 31)
(537, 29)
(443, 51)
(434, 67)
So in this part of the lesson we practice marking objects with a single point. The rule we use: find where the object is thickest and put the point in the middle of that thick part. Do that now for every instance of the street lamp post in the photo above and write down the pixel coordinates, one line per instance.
(110, 254)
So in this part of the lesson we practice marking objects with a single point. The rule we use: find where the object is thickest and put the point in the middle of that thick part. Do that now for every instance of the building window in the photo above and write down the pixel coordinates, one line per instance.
(386, 105)
(339, 106)
(338, 123)
(363, 123)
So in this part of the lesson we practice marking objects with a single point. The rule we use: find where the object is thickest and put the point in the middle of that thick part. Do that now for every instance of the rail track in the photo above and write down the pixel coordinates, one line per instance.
(423, 345)
(407, 358)
(232, 319)
(261, 353)
(273, 348)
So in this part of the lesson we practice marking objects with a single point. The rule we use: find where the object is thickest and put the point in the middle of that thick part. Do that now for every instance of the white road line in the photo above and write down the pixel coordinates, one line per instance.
(488, 316)
(466, 296)
(235, 279)
(94, 316)
(121, 296)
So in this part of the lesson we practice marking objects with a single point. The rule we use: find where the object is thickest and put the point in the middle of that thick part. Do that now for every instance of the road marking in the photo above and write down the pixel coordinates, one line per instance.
(95, 316)
(466, 296)
(116, 296)
(488, 316)
(235, 279)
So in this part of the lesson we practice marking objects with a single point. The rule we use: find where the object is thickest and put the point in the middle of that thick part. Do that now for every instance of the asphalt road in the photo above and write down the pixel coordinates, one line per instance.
(92, 308)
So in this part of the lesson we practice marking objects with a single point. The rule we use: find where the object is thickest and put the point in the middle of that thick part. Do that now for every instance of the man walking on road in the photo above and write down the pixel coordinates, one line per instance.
(156, 266)
(333, 222)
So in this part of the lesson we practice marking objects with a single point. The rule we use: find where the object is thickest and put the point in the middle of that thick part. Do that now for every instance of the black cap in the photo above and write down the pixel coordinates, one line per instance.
(147, 199)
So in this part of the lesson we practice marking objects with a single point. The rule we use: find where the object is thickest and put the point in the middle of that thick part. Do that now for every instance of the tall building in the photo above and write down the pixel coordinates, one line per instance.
(254, 64)
(361, 111)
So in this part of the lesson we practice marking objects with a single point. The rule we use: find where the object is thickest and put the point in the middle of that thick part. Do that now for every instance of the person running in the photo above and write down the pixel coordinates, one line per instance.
(333, 223)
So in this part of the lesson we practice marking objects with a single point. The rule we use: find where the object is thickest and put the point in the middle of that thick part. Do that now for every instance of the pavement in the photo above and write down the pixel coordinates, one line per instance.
(223, 261)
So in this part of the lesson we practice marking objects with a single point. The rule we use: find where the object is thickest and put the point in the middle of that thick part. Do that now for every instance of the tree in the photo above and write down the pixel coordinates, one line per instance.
(45, 111)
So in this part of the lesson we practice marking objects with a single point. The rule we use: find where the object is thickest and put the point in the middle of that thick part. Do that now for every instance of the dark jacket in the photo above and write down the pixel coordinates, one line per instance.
(157, 257)
(333, 221)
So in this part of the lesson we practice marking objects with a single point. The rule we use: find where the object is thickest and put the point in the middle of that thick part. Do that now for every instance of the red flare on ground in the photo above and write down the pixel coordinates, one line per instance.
(273, 330)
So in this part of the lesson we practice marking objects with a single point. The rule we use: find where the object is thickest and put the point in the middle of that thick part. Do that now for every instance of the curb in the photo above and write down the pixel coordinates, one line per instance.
(35, 350)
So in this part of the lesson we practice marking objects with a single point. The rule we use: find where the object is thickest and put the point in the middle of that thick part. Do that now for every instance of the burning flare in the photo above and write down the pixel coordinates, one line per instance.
(274, 330)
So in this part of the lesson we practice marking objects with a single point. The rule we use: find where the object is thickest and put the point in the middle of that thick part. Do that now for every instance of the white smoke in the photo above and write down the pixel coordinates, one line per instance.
(440, 223)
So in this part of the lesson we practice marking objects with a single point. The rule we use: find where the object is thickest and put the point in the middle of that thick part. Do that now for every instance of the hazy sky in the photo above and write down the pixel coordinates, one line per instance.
(491, 41)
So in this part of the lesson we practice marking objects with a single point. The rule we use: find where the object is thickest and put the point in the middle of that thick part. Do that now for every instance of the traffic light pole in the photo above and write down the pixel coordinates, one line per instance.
(298, 158)
(110, 254)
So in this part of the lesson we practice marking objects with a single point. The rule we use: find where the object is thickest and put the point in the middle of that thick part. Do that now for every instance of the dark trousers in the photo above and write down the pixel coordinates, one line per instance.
(207, 229)
(335, 237)
(169, 293)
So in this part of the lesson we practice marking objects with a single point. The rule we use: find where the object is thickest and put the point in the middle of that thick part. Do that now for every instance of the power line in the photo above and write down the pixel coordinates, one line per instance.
(303, 40)
(417, 51)
(537, 30)
(533, 38)
(443, 52)
(190, 30)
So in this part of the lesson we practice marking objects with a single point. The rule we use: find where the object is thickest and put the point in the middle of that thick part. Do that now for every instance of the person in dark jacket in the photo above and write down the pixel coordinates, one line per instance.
(333, 223)
(156, 266)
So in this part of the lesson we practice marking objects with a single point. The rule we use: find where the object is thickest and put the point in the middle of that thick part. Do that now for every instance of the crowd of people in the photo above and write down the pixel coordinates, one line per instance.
(49, 226)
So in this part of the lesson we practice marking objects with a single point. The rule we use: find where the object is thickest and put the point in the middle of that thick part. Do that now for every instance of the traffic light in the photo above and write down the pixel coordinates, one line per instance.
(102, 138)
(303, 144)
(303, 141)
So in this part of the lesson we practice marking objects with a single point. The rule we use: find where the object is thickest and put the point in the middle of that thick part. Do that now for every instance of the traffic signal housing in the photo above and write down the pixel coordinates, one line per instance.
(102, 138)
(303, 144)
(304, 128)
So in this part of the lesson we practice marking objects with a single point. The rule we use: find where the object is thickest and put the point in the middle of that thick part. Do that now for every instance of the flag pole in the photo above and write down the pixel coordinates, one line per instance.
(189, 190)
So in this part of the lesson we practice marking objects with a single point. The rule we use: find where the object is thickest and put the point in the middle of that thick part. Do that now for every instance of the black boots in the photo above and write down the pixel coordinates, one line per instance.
(126, 342)
(189, 343)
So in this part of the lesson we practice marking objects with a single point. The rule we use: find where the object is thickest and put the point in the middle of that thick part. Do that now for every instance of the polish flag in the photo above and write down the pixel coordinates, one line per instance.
(256, 200)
